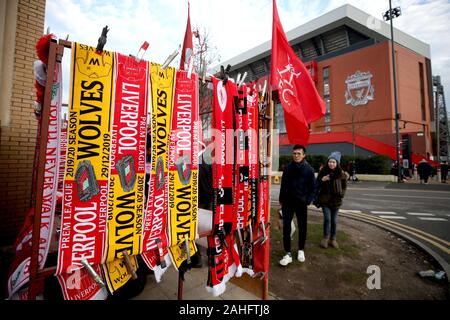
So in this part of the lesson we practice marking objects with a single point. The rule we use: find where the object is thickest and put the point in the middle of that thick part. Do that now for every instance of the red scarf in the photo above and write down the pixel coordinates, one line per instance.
(261, 226)
(220, 242)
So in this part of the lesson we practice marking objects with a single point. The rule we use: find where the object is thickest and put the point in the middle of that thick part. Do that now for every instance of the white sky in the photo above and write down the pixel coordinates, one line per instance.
(235, 25)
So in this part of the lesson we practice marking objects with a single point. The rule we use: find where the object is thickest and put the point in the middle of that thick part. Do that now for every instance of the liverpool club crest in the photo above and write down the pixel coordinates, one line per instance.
(359, 88)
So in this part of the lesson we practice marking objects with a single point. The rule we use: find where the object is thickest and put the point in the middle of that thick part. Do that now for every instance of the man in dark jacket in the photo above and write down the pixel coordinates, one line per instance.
(296, 193)
(424, 169)
(444, 171)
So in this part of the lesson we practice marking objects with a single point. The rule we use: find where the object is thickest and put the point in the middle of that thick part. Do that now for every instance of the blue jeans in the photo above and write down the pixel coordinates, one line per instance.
(330, 217)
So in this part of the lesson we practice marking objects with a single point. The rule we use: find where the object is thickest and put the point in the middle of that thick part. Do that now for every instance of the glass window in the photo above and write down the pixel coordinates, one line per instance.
(326, 89)
(327, 104)
(422, 91)
(326, 93)
(279, 118)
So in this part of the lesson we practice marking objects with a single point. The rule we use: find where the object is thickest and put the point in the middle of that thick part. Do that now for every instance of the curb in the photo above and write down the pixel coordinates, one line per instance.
(445, 266)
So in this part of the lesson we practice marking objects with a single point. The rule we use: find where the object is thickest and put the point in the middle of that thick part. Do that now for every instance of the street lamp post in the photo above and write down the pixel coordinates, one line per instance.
(353, 135)
(390, 15)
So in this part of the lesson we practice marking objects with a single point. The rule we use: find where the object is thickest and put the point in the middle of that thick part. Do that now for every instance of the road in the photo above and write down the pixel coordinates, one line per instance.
(420, 211)
(427, 210)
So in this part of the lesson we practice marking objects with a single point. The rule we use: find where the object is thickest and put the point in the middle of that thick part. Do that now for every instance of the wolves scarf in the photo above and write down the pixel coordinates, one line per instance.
(222, 206)
(117, 274)
(155, 238)
(127, 169)
(183, 169)
(85, 202)
(19, 271)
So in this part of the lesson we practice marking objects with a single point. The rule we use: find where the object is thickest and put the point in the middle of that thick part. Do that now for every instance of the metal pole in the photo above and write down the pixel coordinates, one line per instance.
(180, 287)
(34, 259)
(438, 136)
(353, 136)
(397, 130)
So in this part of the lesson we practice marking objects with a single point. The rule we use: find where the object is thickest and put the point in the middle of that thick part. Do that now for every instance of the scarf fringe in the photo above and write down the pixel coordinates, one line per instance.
(248, 271)
(217, 290)
(158, 271)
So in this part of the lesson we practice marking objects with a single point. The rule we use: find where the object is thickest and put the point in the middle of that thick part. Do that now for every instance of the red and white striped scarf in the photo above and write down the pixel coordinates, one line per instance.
(261, 248)
(219, 242)
(252, 194)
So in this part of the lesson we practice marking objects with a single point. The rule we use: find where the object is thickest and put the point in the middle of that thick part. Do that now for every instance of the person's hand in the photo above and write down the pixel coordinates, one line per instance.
(326, 178)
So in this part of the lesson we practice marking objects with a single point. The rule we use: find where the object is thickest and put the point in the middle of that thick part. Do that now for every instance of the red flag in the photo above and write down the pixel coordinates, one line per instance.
(298, 95)
(187, 44)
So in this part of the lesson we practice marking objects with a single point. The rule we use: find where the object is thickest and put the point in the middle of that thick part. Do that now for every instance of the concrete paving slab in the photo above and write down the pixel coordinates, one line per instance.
(194, 288)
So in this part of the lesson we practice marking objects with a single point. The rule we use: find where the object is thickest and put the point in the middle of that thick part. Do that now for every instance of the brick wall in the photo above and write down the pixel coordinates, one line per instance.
(18, 138)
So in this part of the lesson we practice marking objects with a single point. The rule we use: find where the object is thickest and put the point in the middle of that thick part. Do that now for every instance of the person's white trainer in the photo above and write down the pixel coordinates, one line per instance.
(301, 256)
(286, 260)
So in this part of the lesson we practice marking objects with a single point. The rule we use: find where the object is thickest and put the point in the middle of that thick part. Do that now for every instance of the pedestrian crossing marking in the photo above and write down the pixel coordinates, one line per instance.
(383, 212)
(393, 217)
(432, 219)
(349, 211)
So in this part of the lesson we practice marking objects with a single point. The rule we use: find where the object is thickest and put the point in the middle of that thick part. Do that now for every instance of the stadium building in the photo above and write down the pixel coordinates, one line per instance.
(348, 54)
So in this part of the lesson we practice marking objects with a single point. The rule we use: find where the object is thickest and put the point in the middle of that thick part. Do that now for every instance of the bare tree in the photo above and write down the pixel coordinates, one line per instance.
(205, 54)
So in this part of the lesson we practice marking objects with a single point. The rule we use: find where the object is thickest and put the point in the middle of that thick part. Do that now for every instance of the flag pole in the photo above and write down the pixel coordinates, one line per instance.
(269, 156)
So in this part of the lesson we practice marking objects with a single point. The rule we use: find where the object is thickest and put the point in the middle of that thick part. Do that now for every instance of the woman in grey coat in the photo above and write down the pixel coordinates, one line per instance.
(331, 185)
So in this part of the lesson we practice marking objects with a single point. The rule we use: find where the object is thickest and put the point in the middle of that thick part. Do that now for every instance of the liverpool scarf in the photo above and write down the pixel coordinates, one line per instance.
(241, 161)
(85, 202)
(155, 238)
(127, 168)
(261, 229)
(252, 195)
(62, 160)
(79, 285)
(19, 270)
(241, 176)
(183, 170)
(222, 207)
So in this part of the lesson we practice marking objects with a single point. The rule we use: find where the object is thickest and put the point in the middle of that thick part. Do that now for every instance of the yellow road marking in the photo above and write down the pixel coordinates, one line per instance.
(412, 231)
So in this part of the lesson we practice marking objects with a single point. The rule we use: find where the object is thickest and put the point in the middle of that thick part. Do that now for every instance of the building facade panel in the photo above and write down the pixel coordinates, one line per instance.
(369, 69)
(355, 65)
(18, 125)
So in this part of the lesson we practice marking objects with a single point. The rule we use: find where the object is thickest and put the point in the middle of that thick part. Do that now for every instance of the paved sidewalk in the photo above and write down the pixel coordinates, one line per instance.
(194, 287)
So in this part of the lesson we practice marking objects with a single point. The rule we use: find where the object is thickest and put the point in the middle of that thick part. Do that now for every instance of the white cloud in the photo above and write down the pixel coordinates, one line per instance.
(427, 21)
(235, 25)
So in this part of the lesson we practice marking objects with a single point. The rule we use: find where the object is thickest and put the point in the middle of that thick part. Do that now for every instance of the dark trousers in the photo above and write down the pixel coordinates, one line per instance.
(300, 209)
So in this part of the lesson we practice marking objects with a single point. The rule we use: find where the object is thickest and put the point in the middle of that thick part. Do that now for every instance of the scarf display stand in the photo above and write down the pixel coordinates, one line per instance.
(56, 52)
